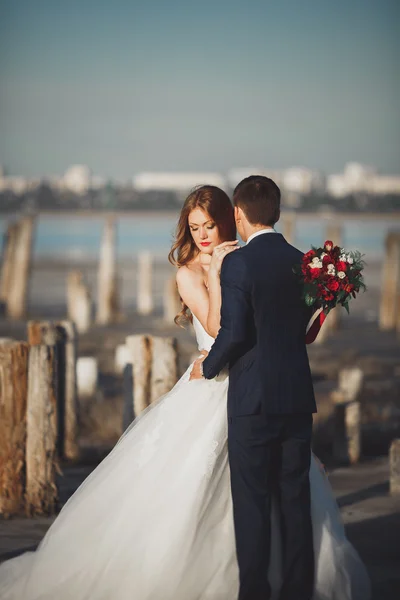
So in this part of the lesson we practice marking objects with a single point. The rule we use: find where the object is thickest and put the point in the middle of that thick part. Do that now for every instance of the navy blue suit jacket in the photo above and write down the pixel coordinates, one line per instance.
(263, 329)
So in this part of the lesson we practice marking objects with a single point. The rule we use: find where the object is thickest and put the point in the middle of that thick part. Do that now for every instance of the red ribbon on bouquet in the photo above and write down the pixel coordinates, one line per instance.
(315, 327)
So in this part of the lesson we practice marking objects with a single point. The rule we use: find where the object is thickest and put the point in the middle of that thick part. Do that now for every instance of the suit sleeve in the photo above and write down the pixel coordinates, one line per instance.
(235, 315)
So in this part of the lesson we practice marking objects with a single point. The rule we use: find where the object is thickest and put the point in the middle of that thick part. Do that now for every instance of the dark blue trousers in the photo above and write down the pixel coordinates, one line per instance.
(270, 454)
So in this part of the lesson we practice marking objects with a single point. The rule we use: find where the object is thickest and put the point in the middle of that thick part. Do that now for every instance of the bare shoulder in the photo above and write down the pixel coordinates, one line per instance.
(189, 276)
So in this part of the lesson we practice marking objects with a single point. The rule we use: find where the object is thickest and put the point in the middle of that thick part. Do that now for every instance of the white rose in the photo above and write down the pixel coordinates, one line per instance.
(343, 258)
(331, 270)
(350, 259)
(319, 264)
(341, 274)
(315, 259)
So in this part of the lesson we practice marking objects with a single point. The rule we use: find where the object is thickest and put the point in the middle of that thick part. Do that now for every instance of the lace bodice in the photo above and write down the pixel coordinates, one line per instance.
(204, 341)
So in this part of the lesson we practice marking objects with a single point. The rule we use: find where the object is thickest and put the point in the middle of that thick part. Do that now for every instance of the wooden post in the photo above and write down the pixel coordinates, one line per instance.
(41, 442)
(289, 227)
(61, 336)
(122, 358)
(66, 356)
(42, 332)
(8, 261)
(87, 377)
(128, 413)
(13, 399)
(141, 351)
(107, 295)
(164, 370)
(18, 292)
(334, 231)
(394, 460)
(172, 301)
(79, 301)
(144, 284)
(339, 448)
(390, 295)
(347, 416)
(353, 431)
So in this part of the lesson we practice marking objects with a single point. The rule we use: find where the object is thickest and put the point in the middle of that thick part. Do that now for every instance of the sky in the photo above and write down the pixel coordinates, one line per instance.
(126, 86)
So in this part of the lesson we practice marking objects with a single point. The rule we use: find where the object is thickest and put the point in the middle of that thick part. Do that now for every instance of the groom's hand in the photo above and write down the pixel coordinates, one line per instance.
(196, 372)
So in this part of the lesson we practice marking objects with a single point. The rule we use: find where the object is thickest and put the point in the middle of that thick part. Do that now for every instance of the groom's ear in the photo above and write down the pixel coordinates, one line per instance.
(237, 214)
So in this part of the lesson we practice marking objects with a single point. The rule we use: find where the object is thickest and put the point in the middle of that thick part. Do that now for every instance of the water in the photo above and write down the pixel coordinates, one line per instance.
(77, 238)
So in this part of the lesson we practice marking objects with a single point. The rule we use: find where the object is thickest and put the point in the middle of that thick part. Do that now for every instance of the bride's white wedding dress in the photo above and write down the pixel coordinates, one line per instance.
(154, 520)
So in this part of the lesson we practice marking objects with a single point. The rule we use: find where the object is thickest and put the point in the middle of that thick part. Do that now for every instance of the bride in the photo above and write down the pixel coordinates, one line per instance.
(154, 520)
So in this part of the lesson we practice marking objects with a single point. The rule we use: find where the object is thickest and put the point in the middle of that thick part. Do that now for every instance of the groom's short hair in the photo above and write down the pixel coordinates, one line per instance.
(260, 199)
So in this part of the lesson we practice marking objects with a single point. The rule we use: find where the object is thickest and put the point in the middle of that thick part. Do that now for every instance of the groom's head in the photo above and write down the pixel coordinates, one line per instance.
(257, 202)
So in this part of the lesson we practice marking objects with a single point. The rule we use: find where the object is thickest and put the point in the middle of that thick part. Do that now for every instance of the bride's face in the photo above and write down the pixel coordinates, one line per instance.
(204, 231)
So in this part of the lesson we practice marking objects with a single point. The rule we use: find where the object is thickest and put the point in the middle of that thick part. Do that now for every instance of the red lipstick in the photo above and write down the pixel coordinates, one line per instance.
(205, 243)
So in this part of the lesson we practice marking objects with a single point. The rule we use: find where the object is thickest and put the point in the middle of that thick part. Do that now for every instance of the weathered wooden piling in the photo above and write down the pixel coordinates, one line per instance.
(164, 369)
(347, 441)
(42, 332)
(128, 414)
(41, 440)
(107, 294)
(79, 302)
(8, 261)
(66, 359)
(172, 301)
(87, 373)
(13, 402)
(145, 304)
(62, 336)
(289, 226)
(122, 358)
(17, 296)
(389, 314)
(394, 462)
(353, 431)
(141, 357)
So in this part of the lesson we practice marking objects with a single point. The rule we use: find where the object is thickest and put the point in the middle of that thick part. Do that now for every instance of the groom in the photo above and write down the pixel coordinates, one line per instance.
(270, 397)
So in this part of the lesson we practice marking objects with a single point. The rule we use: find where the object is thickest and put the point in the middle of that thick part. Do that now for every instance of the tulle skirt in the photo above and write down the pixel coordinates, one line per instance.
(154, 520)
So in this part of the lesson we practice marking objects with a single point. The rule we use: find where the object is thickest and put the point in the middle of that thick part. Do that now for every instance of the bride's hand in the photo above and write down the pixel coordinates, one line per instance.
(196, 371)
(219, 254)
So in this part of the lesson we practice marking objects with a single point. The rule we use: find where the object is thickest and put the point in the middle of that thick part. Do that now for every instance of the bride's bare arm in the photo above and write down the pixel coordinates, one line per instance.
(214, 302)
(205, 304)
(194, 294)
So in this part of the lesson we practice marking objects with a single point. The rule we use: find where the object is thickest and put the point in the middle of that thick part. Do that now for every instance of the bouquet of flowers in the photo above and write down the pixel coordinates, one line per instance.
(330, 276)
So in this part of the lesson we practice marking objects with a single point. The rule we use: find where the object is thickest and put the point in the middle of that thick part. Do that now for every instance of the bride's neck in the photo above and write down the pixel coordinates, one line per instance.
(204, 261)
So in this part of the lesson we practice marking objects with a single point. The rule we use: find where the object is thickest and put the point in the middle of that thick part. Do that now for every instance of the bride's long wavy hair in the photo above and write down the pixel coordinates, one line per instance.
(214, 202)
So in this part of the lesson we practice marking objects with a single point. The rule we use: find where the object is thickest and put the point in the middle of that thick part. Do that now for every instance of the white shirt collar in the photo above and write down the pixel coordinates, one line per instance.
(260, 232)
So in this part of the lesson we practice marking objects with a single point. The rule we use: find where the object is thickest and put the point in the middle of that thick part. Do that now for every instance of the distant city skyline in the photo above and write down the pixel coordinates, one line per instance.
(126, 87)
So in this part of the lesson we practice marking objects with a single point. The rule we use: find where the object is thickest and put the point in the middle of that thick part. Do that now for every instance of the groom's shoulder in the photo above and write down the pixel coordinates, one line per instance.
(234, 261)
(235, 258)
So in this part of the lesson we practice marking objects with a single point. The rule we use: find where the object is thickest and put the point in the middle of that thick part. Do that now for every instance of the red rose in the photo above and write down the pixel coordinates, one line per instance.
(309, 256)
(315, 273)
(341, 266)
(326, 260)
(328, 245)
(349, 288)
(333, 285)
